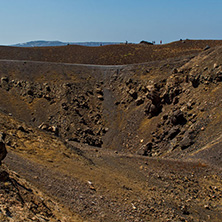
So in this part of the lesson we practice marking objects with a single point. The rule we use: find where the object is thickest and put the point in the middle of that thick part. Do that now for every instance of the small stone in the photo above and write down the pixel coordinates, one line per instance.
(4, 78)
(100, 97)
(189, 105)
(91, 185)
(184, 209)
(134, 207)
(165, 117)
(175, 70)
(99, 91)
(207, 47)
(206, 206)
(215, 65)
(106, 129)
(175, 100)
(139, 101)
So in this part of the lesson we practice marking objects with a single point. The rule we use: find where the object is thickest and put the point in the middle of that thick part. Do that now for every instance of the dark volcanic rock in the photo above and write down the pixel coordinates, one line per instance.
(189, 137)
(154, 96)
(145, 150)
(3, 151)
(146, 43)
(206, 47)
(2, 136)
(153, 107)
(3, 175)
(139, 101)
(173, 132)
(219, 77)
(178, 118)
(195, 80)
(151, 110)
(186, 142)
(133, 93)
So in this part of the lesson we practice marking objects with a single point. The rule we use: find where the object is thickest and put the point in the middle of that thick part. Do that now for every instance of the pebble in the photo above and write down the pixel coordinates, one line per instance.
(206, 206)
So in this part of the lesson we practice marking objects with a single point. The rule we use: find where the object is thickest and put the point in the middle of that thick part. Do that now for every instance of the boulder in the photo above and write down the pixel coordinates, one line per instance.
(173, 132)
(186, 142)
(133, 93)
(171, 93)
(151, 110)
(146, 43)
(175, 100)
(154, 96)
(178, 118)
(93, 141)
(3, 175)
(195, 80)
(139, 101)
(145, 150)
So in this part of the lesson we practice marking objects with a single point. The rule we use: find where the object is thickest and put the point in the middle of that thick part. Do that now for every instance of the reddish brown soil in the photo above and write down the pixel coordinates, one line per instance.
(107, 55)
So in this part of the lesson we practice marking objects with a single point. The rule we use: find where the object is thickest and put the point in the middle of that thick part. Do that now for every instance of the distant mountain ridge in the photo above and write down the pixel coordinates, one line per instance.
(42, 43)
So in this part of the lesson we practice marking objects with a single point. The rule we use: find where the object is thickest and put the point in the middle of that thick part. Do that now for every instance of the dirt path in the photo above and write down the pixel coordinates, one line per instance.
(108, 67)
(118, 188)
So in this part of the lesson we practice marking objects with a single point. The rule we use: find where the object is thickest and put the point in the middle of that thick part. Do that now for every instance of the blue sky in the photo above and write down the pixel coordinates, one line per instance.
(103, 20)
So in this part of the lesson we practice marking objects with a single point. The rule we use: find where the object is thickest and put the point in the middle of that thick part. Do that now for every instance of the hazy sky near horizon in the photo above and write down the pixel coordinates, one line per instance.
(106, 20)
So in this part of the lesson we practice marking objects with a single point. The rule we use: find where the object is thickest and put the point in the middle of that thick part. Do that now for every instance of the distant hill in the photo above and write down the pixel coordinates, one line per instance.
(42, 43)
(107, 55)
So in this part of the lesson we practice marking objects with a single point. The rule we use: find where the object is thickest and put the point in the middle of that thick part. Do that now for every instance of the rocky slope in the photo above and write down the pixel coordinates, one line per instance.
(20, 201)
(102, 185)
(155, 109)
(134, 117)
